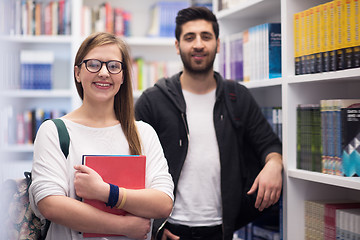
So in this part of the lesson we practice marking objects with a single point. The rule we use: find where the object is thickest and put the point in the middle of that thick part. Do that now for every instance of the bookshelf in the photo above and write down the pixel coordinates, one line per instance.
(16, 158)
(289, 91)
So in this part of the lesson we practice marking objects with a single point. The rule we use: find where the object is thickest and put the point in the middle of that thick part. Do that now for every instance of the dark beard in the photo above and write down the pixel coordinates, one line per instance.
(191, 70)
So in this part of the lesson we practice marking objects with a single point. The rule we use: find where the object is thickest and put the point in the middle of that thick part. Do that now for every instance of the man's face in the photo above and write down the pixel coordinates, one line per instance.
(197, 46)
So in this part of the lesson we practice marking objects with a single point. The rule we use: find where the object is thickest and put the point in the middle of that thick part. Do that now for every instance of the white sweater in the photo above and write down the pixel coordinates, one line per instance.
(54, 175)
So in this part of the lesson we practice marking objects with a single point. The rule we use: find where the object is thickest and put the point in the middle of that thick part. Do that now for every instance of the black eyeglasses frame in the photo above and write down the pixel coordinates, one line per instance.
(102, 63)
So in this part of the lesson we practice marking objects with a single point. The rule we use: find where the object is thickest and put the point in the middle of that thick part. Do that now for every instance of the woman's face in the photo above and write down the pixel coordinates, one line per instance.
(101, 86)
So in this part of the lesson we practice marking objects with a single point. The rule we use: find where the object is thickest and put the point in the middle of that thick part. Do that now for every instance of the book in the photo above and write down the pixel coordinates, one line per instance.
(339, 27)
(317, 29)
(348, 223)
(338, 104)
(348, 34)
(163, 16)
(308, 137)
(330, 217)
(331, 39)
(320, 217)
(302, 48)
(126, 171)
(246, 56)
(273, 31)
(355, 20)
(325, 37)
(331, 133)
(236, 56)
(36, 69)
(351, 141)
(297, 58)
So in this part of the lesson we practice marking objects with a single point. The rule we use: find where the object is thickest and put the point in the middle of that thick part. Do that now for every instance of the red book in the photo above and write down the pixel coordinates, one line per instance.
(126, 171)
(330, 217)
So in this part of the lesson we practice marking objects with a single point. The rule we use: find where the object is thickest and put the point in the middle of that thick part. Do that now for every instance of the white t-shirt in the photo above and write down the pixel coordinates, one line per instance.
(54, 175)
(198, 198)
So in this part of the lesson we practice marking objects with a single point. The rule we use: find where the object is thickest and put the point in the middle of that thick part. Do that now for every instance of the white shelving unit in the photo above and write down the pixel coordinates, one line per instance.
(17, 158)
(289, 91)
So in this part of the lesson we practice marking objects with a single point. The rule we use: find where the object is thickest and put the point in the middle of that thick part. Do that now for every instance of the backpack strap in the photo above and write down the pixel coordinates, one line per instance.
(63, 136)
(64, 139)
(231, 102)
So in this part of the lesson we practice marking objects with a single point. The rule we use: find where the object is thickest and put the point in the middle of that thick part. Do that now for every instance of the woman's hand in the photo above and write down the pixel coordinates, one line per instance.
(138, 227)
(89, 184)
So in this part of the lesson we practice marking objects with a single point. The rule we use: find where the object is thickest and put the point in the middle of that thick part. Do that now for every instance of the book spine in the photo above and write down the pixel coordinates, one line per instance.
(339, 28)
(355, 20)
(296, 18)
(317, 39)
(302, 47)
(347, 35)
(274, 50)
(350, 137)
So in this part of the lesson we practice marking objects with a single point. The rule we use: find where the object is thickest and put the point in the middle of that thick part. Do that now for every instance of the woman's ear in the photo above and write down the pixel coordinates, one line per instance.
(77, 73)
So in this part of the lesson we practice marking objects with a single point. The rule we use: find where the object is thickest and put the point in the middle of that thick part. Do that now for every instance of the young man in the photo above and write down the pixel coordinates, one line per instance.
(209, 158)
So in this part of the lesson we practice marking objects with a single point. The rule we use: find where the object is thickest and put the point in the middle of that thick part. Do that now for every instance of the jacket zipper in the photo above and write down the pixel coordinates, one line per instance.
(186, 128)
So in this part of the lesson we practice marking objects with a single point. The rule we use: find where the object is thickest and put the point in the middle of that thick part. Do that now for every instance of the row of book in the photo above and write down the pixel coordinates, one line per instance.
(326, 37)
(266, 227)
(255, 232)
(332, 220)
(146, 73)
(328, 137)
(105, 18)
(274, 117)
(254, 54)
(20, 127)
(117, 20)
(41, 17)
(163, 16)
(308, 142)
(36, 69)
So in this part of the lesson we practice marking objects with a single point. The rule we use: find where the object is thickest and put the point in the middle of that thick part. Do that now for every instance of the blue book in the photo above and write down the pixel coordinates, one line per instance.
(350, 118)
(274, 46)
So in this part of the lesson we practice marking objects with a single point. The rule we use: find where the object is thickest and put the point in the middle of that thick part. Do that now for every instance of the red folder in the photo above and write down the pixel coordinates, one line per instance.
(126, 171)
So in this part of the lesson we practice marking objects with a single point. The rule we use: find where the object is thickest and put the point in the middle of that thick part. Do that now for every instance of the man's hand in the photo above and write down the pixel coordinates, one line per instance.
(268, 182)
(168, 235)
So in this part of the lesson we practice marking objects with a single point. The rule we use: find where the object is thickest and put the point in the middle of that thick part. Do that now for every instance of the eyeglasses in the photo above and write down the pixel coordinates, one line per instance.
(94, 65)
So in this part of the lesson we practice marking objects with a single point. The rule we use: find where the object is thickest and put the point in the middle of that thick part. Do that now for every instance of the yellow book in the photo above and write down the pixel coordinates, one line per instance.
(347, 36)
(325, 37)
(331, 39)
(317, 38)
(311, 39)
(308, 40)
(340, 14)
(303, 41)
(355, 21)
(297, 43)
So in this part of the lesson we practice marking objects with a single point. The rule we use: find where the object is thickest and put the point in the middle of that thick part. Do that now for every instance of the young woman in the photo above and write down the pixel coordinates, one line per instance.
(103, 124)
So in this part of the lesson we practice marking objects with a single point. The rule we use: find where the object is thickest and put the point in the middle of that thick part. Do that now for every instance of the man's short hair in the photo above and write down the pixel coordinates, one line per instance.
(195, 13)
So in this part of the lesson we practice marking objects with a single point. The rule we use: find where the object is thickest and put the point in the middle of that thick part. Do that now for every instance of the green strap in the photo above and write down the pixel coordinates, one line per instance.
(63, 136)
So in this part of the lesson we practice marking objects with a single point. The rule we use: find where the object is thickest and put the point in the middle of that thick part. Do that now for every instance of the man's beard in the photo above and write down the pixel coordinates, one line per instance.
(197, 70)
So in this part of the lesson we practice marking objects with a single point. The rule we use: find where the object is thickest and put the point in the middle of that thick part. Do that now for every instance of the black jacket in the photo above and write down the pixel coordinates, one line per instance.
(242, 149)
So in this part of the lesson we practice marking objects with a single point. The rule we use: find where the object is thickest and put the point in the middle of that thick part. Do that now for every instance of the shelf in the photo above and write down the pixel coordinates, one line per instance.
(349, 74)
(37, 93)
(263, 83)
(150, 41)
(251, 9)
(339, 181)
(19, 148)
(38, 39)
